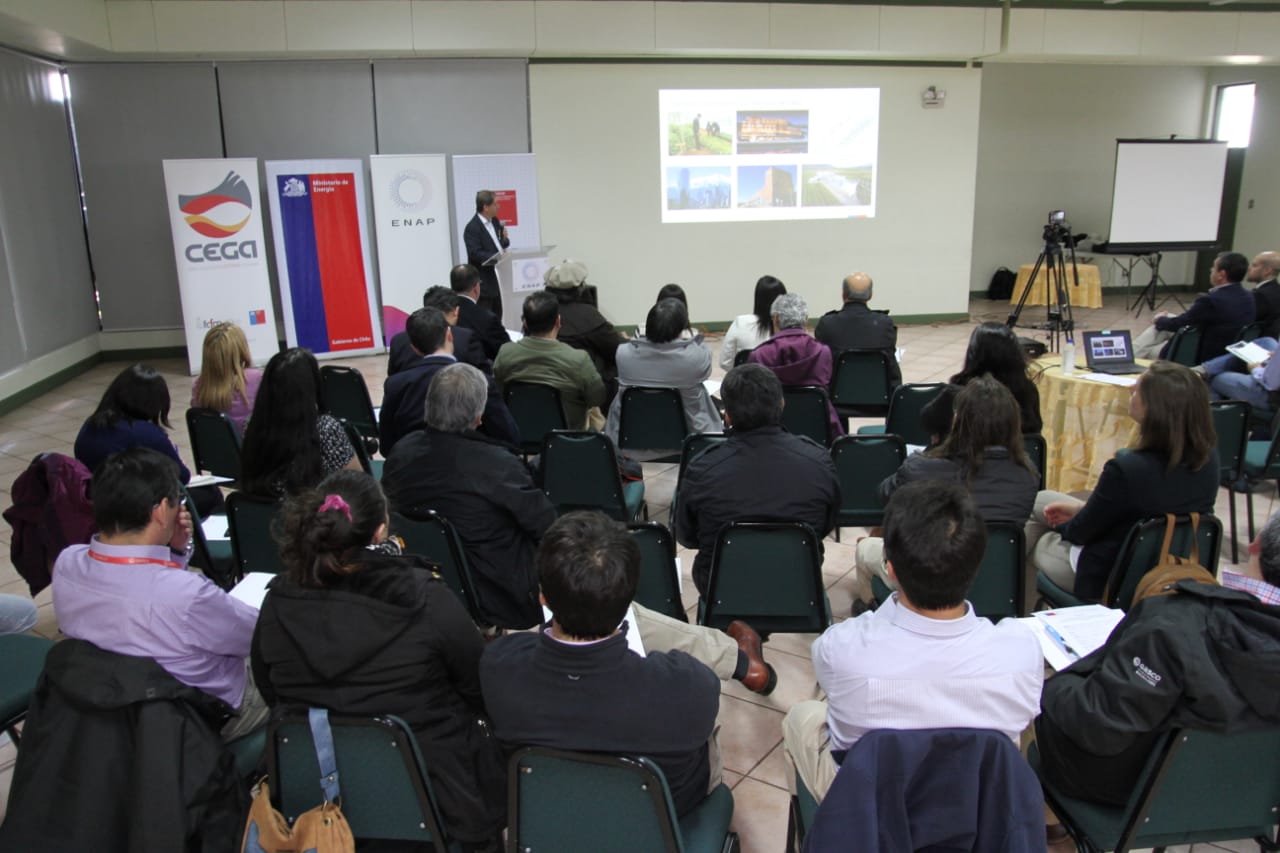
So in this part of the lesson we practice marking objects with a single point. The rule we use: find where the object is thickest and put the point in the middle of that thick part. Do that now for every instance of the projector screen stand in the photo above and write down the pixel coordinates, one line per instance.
(1147, 296)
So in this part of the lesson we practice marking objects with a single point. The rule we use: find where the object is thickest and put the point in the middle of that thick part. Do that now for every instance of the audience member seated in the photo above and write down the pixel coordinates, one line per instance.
(1258, 384)
(994, 349)
(577, 685)
(465, 281)
(1172, 469)
(228, 381)
(357, 627)
(404, 394)
(121, 591)
(793, 356)
(1266, 293)
(675, 291)
(1219, 314)
(482, 487)
(983, 452)
(540, 357)
(856, 326)
(290, 445)
(761, 472)
(748, 331)
(17, 614)
(1261, 575)
(923, 660)
(663, 359)
(466, 344)
(582, 326)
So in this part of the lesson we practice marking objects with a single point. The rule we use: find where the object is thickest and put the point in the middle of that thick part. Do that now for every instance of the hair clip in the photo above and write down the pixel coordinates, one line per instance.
(335, 502)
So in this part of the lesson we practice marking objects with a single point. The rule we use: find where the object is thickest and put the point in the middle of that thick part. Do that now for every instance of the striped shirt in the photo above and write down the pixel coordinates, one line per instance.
(1261, 590)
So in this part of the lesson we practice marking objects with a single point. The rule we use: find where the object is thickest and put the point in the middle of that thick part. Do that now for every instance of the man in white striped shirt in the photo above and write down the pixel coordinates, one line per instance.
(923, 659)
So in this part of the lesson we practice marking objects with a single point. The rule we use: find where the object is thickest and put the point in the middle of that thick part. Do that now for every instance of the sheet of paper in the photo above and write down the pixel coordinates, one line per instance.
(1053, 653)
(1249, 352)
(514, 335)
(712, 386)
(206, 480)
(253, 589)
(899, 353)
(633, 633)
(1085, 628)
(215, 527)
(679, 577)
(1123, 381)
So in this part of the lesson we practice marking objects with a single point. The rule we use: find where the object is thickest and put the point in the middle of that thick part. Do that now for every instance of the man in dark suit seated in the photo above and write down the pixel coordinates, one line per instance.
(466, 346)
(1219, 314)
(1266, 294)
(856, 326)
(465, 281)
(405, 393)
(483, 237)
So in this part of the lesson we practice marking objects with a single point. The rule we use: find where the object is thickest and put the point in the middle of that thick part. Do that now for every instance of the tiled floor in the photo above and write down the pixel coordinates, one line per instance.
(750, 724)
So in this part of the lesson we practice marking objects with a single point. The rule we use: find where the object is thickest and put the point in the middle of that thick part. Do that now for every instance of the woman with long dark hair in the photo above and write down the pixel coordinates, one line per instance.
(749, 331)
(994, 349)
(133, 412)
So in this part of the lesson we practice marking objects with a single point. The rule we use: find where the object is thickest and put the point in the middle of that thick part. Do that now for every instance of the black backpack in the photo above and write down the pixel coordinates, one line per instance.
(1002, 282)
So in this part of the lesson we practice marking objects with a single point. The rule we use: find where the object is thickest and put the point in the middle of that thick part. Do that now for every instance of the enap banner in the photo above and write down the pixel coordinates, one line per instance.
(322, 256)
(411, 212)
(215, 215)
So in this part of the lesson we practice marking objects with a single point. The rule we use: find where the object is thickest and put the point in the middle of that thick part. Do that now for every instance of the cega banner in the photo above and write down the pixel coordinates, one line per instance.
(215, 216)
(322, 256)
(411, 212)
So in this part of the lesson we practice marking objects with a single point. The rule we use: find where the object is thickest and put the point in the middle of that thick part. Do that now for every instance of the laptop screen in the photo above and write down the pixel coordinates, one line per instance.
(1108, 346)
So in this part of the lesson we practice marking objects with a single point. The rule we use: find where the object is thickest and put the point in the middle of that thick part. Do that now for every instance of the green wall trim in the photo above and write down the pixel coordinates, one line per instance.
(144, 353)
(44, 386)
(926, 319)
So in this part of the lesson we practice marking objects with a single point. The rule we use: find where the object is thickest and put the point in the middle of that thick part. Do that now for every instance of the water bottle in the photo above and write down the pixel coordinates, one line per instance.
(1068, 357)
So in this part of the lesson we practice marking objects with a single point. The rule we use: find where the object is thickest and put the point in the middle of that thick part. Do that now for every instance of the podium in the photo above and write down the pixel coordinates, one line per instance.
(520, 271)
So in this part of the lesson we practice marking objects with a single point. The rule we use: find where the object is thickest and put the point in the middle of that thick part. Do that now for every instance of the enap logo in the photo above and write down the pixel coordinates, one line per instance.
(411, 191)
(220, 213)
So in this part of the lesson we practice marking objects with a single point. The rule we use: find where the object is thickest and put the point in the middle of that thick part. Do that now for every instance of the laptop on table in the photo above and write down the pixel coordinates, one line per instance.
(1110, 352)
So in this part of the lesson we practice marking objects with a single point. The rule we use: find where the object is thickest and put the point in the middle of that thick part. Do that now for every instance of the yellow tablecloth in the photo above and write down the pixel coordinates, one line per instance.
(1087, 295)
(1085, 423)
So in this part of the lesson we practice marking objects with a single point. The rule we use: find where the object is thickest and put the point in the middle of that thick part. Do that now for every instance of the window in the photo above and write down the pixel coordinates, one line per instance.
(1234, 117)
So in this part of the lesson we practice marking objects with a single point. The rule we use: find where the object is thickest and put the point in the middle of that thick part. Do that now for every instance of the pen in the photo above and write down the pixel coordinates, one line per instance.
(1057, 638)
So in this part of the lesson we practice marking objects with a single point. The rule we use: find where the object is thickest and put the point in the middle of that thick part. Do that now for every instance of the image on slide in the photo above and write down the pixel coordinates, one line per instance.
(773, 131)
(835, 186)
(698, 187)
(699, 133)
(766, 186)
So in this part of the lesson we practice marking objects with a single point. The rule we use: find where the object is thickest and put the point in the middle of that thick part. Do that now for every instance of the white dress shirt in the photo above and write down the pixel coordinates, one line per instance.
(897, 669)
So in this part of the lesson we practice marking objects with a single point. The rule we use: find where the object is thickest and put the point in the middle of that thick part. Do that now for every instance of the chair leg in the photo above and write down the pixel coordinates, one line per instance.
(1248, 507)
(1235, 546)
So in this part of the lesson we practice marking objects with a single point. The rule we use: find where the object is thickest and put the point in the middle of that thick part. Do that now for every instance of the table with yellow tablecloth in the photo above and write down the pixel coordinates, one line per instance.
(1087, 295)
(1085, 423)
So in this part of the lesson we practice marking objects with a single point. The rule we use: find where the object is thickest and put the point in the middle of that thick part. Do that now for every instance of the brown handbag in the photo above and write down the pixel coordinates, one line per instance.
(1169, 569)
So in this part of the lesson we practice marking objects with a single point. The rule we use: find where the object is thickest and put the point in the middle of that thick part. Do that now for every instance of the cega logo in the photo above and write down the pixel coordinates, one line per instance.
(218, 214)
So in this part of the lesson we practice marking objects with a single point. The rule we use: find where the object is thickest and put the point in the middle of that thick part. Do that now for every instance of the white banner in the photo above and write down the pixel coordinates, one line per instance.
(216, 218)
(513, 178)
(411, 214)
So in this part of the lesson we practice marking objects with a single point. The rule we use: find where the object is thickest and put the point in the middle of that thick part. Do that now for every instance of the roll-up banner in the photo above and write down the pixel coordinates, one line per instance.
(513, 178)
(411, 211)
(322, 256)
(215, 215)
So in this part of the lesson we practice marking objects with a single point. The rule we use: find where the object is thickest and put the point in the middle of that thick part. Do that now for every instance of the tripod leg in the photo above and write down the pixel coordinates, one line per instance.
(1026, 291)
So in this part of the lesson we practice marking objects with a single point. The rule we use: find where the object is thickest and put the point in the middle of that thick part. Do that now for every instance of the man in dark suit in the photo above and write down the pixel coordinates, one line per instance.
(404, 395)
(465, 281)
(1219, 314)
(1266, 295)
(466, 346)
(856, 326)
(483, 238)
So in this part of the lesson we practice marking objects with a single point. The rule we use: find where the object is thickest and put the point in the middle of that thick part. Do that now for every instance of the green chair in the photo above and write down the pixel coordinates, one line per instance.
(249, 519)
(574, 802)
(1261, 462)
(904, 412)
(580, 471)
(372, 467)
(1184, 348)
(215, 442)
(862, 463)
(1231, 423)
(659, 588)
(694, 444)
(1250, 332)
(215, 557)
(860, 384)
(1054, 595)
(537, 410)
(21, 662)
(429, 534)
(768, 574)
(386, 792)
(344, 394)
(1141, 551)
(1038, 451)
(651, 419)
(806, 412)
(1189, 792)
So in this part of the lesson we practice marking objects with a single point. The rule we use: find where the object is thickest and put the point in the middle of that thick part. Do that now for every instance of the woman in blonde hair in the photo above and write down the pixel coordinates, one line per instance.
(227, 382)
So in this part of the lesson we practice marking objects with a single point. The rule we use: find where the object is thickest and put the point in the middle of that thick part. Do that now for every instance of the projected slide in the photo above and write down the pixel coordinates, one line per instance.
(765, 154)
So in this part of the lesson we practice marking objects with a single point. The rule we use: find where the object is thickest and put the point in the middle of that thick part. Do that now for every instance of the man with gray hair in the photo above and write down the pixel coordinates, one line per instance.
(482, 487)
(857, 326)
(1261, 575)
(794, 357)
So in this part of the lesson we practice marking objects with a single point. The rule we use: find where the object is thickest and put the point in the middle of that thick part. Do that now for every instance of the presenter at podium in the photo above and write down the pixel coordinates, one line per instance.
(485, 239)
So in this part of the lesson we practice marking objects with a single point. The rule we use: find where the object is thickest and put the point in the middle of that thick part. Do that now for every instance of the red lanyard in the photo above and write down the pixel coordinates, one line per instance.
(135, 561)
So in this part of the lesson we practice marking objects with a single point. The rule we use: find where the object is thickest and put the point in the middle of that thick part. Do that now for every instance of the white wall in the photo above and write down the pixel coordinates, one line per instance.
(595, 133)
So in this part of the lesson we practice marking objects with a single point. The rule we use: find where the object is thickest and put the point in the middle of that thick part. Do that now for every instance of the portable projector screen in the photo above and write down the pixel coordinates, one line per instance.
(749, 155)
(1167, 194)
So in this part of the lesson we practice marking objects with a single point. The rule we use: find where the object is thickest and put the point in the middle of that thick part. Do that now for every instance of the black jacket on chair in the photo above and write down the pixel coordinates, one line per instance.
(486, 325)
(119, 757)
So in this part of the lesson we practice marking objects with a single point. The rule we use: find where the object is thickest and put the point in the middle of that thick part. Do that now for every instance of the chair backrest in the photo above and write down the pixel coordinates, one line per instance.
(1185, 347)
(1231, 422)
(580, 471)
(386, 792)
(358, 444)
(1250, 332)
(659, 588)
(1038, 451)
(806, 413)
(572, 801)
(429, 534)
(215, 442)
(651, 418)
(1141, 552)
(225, 576)
(344, 394)
(769, 574)
(740, 357)
(998, 589)
(862, 462)
(695, 443)
(249, 519)
(537, 410)
(860, 382)
(905, 407)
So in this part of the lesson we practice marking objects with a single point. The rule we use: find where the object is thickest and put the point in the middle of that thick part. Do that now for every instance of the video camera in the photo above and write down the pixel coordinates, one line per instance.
(1057, 229)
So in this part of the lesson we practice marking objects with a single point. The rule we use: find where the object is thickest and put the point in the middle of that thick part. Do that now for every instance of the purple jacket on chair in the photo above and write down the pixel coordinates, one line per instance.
(797, 359)
(51, 510)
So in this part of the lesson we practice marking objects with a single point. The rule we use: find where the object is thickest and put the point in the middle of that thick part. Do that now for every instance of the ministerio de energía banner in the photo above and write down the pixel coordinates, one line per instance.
(215, 216)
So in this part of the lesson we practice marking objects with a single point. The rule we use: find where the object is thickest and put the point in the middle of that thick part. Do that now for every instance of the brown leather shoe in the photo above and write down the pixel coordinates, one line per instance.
(760, 678)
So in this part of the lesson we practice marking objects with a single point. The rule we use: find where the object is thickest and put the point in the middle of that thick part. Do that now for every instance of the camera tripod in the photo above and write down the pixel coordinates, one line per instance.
(1058, 318)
